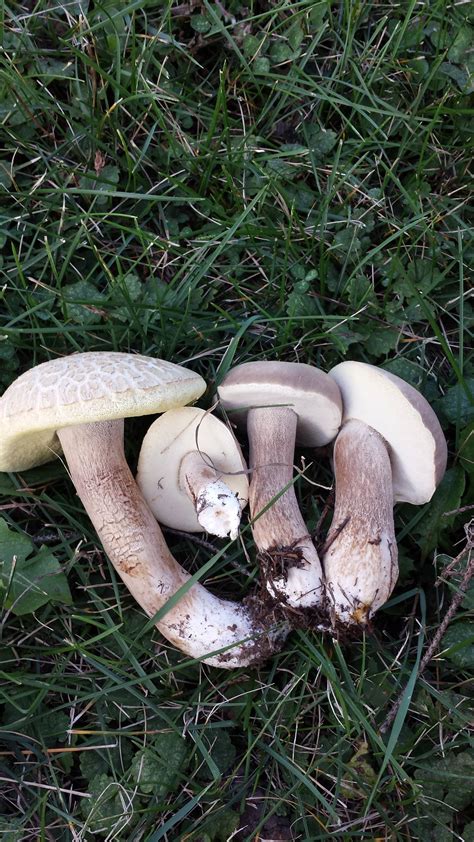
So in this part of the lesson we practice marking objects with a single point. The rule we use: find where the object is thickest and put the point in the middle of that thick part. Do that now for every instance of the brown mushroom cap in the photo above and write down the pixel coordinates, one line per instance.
(310, 393)
(417, 446)
(80, 389)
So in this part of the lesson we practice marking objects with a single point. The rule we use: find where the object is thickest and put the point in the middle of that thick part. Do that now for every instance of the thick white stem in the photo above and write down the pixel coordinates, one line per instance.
(291, 564)
(360, 563)
(199, 623)
(218, 509)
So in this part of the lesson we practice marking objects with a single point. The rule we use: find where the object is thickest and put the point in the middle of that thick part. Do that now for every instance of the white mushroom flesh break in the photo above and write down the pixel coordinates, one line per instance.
(218, 510)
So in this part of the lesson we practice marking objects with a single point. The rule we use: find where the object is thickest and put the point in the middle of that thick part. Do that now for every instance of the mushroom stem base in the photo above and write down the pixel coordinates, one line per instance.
(291, 565)
(199, 623)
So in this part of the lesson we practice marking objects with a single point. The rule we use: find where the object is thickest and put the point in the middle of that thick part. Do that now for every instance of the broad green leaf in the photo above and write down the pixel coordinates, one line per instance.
(157, 768)
(124, 294)
(280, 52)
(7, 486)
(83, 302)
(458, 402)
(361, 292)
(261, 64)
(251, 46)
(299, 195)
(106, 182)
(360, 775)
(29, 579)
(109, 808)
(344, 336)
(347, 245)
(461, 76)
(320, 142)
(468, 832)
(49, 69)
(466, 449)
(219, 828)
(407, 370)
(422, 277)
(380, 340)
(221, 750)
(299, 303)
(100, 761)
(446, 498)
(459, 641)
(317, 13)
(295, 34)
(51, 726)
(200, 23)
(460, 50)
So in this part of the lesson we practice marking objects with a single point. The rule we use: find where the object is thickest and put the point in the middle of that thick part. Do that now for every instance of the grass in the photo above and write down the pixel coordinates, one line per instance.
(211, 185)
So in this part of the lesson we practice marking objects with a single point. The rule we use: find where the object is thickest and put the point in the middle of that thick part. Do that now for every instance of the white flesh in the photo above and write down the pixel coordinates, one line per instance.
(218, 509)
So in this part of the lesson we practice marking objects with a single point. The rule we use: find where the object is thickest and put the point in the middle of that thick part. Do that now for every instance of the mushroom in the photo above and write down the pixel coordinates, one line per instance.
(78, 404)
(183, 460)
(282, 403)
(391, 448)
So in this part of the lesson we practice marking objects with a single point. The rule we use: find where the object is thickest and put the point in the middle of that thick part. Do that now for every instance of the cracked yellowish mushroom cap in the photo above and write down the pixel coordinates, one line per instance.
(282, 403)
(80, 389)
(192, 473)
(391, 448)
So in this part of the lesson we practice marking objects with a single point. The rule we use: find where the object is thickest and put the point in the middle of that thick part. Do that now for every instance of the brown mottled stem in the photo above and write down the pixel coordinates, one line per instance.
(360, 561)
(292, 568)
(199, 623)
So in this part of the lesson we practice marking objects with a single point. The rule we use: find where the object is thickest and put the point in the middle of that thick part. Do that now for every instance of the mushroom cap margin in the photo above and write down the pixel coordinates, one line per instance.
(85, 388)
(309, 392)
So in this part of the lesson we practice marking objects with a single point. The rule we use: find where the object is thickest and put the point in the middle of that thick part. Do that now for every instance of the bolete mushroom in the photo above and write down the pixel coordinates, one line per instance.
(391, 448)
(77, 404)
(192, 473)
(282, 403)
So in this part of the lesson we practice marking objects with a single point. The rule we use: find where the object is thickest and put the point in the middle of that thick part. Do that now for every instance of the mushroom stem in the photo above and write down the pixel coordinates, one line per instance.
(199, 623)
(218, 509)
(292, 569)
(360, 562)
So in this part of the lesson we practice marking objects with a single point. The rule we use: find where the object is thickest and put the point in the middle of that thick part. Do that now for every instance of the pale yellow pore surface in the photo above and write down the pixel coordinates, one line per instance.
(81, 389)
